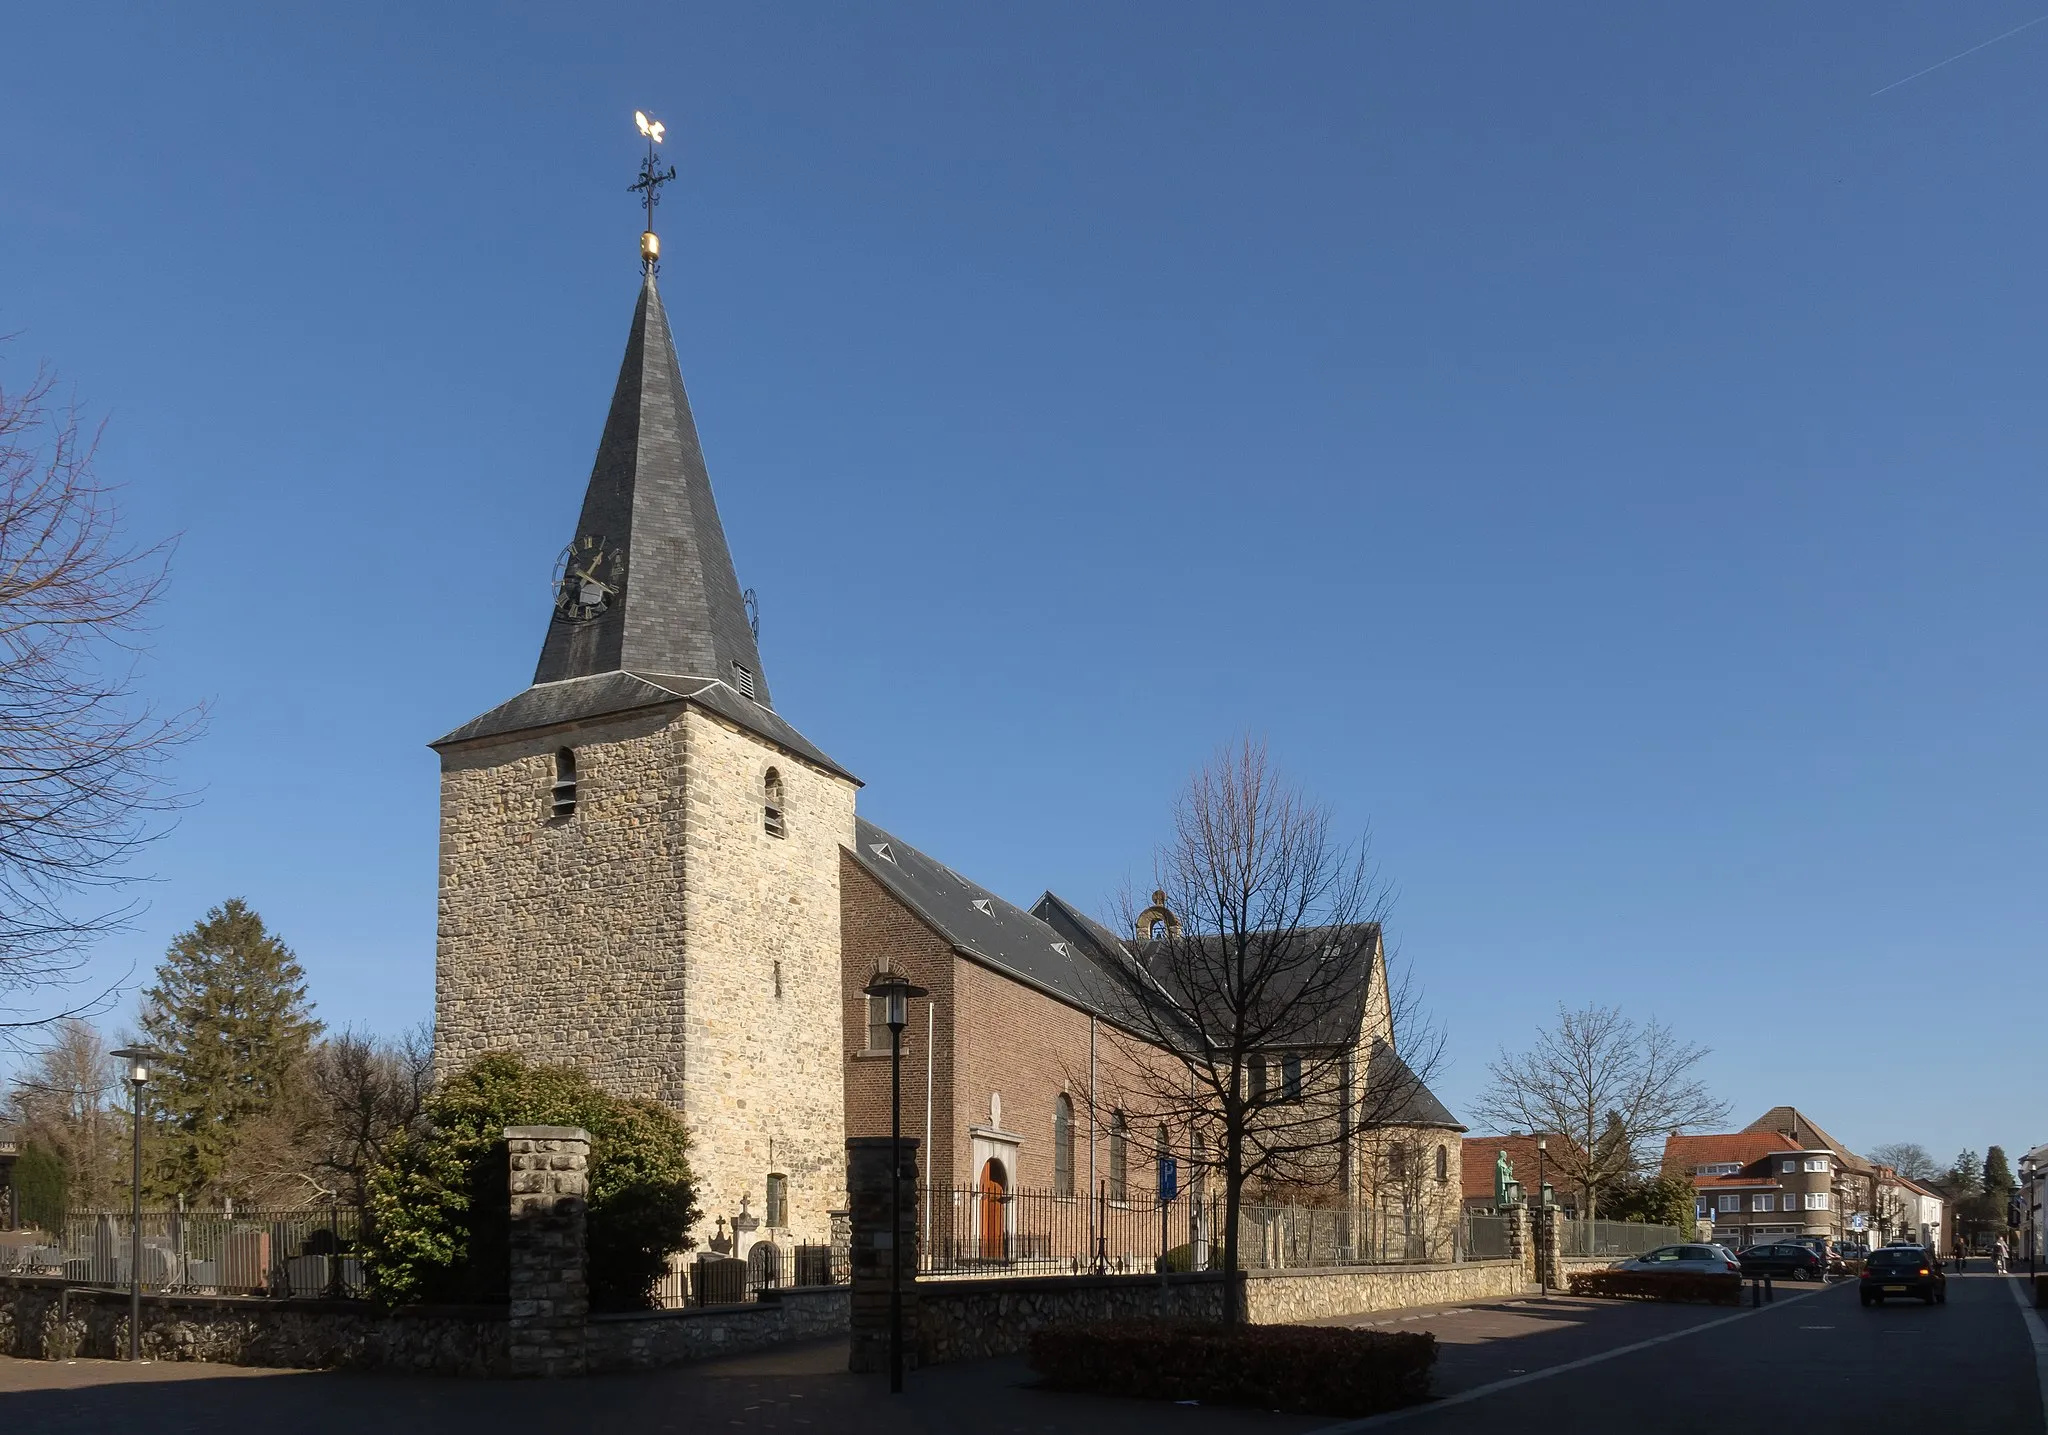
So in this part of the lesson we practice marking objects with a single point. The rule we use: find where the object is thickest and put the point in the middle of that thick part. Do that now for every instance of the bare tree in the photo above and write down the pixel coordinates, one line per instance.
(82, 757)
(367, 1091)
(67, 1100)
(1909, 1159)
(319, 1138)
(1615, 1087)
(1251, 1013)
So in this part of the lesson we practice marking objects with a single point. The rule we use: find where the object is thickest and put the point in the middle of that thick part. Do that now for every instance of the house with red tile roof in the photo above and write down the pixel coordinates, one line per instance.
(1481, 1152)
(1757, 1185)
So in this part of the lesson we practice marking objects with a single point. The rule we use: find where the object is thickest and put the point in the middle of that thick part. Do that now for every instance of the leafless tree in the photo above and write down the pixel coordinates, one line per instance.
(1909, 1159)
(82, 756)
(1616, 1088)
(67, 1100)
(319, 1140)
(1251, 1015)
(367, 1091)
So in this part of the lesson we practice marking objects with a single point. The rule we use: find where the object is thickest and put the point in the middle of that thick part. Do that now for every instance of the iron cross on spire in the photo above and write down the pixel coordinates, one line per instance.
(652, 178)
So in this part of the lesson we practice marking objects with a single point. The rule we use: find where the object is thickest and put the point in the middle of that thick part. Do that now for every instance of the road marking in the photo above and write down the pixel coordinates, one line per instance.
(1478, 1392)
(2038, 1332)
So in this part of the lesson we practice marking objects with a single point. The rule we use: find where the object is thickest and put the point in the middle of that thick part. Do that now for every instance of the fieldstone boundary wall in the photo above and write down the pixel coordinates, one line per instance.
(44, 1318)
(1290, 1297)
(651, 1340)
(974, 1319)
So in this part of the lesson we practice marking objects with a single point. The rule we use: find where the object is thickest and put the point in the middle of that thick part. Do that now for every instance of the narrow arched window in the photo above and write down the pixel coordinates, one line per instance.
(1443, 1163)
(1063, 1145)
(778, 1201)
(1119, 1158)
(563, 793)
(771, 804)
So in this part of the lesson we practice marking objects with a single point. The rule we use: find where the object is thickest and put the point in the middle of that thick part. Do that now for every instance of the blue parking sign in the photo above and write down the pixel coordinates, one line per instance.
(1169, 1178)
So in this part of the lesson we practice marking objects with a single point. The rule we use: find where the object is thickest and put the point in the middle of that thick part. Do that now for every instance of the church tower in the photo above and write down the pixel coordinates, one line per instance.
(639, 856)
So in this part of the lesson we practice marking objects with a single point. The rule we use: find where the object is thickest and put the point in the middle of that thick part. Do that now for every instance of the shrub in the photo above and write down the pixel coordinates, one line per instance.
(41, 1187)
(1652, 1285)
(439, 1223)
(2041, 1291)
(1308, 1370)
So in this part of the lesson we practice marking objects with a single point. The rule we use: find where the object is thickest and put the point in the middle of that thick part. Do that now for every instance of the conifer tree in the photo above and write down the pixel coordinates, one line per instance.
(229, 1016)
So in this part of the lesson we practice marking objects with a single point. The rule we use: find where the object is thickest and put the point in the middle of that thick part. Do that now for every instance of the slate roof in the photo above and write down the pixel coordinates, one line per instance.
(1420, 1107)
(679, 624)
(980, 925)
(608, 694)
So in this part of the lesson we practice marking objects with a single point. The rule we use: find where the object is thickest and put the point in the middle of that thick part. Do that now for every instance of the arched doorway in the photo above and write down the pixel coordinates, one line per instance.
(994, 1189)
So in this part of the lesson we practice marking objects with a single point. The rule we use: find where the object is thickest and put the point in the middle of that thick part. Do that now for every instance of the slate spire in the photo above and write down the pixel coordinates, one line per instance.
(673, 605)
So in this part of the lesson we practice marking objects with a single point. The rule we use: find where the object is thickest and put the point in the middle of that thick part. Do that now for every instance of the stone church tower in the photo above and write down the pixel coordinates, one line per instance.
(639, 856)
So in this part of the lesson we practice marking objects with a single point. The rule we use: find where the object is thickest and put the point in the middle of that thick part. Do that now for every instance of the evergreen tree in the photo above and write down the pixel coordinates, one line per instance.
(1966, 1173)
(40, 1189)
(1998, 1179)
(229, 1015)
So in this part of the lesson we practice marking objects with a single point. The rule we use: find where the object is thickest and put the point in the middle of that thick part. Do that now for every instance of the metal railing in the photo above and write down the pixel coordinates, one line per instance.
(973, 1232)
(305, 1253)
(1615, 1238)
(708, 1278)
(1487, 1238)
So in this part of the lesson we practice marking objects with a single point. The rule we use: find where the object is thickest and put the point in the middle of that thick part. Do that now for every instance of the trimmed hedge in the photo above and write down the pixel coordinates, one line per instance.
(2041, 1291)
(1303, 1369)
(1651, 1285)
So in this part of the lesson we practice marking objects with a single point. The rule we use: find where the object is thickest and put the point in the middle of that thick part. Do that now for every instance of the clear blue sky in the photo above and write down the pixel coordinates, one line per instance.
(1601, 450)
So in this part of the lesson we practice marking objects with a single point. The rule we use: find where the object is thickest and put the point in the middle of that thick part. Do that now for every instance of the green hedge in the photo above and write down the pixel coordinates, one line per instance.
(1653, 1285)
(439, 1222)
(2041, 1291)
(1307, 1370)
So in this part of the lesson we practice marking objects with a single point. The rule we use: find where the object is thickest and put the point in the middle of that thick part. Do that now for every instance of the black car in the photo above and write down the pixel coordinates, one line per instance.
(1903, 1271)
(1786, 1260)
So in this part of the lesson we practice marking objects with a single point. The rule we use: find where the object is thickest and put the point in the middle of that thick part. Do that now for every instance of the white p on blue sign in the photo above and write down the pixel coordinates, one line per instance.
(1169, 1178)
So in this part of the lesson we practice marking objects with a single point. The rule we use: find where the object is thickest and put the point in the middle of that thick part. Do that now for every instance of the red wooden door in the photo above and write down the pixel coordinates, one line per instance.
(992, 1211)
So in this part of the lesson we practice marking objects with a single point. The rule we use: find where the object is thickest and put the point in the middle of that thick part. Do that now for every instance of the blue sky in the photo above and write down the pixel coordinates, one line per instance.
(1601, 451)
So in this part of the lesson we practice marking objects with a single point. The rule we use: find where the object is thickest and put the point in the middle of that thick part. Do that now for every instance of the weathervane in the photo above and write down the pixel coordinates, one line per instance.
(652, 178)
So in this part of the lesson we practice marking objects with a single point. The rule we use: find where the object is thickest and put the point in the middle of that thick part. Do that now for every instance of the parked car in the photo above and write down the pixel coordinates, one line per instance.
(1682, 1260)
(1903, 1271)
(1788, 1259)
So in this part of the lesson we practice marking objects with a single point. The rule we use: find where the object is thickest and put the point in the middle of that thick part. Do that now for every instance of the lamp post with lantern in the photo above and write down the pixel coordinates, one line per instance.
(1542, 1218)
(135, 1061)
(895, 992)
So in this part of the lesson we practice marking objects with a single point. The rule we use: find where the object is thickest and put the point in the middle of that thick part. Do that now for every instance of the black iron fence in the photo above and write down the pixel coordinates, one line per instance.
(710, 1278)
(1486, 1237)
(1615, 1238)
(310, 1252)
(972, 1231)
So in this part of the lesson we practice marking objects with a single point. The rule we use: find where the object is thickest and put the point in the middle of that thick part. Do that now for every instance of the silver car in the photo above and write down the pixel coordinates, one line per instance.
(1683, 1260)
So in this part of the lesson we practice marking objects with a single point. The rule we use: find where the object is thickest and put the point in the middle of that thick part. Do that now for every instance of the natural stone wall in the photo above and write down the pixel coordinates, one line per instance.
(549, 1284)
(40, 1319)
(561, 939)
(649, 1340)
(660, 938)
(1291, 1297)
(974, 1319)
(763, 1079)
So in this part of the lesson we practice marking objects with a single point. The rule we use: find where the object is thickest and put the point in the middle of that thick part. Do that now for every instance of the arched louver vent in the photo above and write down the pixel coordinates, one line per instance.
(563, 793)
(771, 804)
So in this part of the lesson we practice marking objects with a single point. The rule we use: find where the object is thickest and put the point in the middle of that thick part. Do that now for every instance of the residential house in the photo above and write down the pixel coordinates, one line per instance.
(1760, 1185)
(1481, 1153)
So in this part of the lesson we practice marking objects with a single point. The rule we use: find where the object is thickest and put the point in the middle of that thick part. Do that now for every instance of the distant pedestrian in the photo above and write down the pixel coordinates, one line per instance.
(1998, 1254)
(1962, 1255)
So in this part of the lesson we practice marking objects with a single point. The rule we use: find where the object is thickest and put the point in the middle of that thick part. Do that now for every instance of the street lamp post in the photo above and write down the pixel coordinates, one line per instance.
(896, 993)
(1542, 1219)
(136, 1059)
(2029, 1172)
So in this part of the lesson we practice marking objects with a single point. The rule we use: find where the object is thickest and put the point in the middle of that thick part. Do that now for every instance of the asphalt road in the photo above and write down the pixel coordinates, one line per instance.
(1813, 1361)
(1818, 1362)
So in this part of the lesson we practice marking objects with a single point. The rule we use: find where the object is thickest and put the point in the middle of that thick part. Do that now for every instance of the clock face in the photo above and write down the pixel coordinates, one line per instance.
(588, 578)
